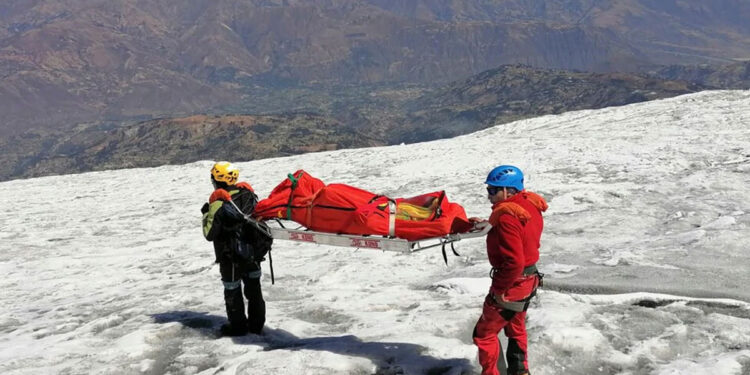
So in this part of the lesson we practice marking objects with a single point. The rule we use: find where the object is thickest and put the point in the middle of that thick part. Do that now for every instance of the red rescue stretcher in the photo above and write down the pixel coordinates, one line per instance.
(343, 215)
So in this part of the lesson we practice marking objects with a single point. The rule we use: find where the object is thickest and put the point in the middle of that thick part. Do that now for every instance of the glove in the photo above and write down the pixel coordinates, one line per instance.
(204, 209)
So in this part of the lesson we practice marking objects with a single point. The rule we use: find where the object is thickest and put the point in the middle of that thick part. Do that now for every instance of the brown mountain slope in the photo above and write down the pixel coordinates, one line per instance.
(515, 92)
(384, 116)
(731, 76)
(69, 61)
(171, 141)
(668, 31)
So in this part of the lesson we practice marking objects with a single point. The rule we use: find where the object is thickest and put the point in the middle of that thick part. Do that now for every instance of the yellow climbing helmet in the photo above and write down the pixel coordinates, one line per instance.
(224, 171)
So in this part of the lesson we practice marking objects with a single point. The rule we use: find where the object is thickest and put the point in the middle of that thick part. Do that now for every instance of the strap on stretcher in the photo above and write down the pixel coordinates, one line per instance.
(391, 218)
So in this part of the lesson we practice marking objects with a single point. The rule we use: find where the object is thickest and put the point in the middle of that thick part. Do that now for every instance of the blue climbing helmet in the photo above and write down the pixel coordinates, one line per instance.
(506, 176)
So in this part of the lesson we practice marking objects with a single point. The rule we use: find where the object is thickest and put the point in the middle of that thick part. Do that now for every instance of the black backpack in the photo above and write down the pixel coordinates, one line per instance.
(253, 238)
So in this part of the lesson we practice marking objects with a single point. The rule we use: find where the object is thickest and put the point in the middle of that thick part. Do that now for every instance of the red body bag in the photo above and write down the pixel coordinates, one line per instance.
(344, 209)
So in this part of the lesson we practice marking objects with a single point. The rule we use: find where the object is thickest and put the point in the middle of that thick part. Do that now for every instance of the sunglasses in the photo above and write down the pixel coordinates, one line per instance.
(492, 190)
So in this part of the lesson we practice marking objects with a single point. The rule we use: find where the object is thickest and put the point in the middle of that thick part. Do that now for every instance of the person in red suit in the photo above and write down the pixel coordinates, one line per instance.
(513, 250)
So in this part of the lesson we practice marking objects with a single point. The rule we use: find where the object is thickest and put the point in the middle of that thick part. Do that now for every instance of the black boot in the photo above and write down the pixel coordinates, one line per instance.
(232, 330)
(515, 358)
(256, 306)
(237, 325)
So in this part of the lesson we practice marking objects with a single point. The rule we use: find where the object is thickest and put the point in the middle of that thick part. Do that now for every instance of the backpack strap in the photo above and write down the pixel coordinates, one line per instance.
(245, 185)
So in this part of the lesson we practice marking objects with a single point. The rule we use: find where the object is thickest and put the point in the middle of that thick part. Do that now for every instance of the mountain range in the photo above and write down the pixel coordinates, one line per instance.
(389, 116)
(65, 62)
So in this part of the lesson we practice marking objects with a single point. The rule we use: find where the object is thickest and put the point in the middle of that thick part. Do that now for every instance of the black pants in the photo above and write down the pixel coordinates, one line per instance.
(238, 280)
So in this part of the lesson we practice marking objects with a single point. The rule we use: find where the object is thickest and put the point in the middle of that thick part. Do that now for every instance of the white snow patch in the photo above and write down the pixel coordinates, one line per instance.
(648, 199)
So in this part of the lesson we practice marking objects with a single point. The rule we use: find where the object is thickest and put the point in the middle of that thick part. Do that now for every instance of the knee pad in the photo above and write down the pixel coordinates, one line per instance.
(231, 285)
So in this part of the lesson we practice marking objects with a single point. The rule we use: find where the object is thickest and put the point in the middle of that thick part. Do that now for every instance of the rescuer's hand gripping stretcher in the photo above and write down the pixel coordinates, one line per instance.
(343, 215)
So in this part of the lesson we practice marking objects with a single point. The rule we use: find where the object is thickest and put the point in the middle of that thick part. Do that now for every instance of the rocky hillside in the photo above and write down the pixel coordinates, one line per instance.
(515, 92)
(174, 141)
(406, 114)
(64, 62)
(731, 76)
(667, 31)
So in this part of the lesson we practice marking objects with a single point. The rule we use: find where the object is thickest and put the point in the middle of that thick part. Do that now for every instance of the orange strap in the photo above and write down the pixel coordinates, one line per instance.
(310, 204)
(536, 200)
(246, 186)
(509, 208)
(516, 210)
(219, 195)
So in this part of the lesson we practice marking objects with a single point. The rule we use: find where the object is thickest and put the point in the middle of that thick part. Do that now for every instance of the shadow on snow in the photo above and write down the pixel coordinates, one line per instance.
(389, 357)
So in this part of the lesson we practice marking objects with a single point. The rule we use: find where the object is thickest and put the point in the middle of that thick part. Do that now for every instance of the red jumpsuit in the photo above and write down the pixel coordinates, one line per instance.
(512, 246)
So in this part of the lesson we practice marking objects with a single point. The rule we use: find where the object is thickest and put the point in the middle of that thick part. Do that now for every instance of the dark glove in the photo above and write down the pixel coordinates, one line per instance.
(204, 209)
(475, 220)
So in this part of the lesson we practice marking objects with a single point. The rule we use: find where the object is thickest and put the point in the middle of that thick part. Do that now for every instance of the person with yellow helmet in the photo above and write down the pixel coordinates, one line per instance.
(236, 249)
